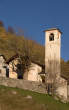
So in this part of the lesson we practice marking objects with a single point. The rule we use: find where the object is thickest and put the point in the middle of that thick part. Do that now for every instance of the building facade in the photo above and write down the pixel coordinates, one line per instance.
(32, 73)
(3, 66)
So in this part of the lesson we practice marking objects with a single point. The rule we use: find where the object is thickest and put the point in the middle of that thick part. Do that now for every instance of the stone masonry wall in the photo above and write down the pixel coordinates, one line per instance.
(23, 84)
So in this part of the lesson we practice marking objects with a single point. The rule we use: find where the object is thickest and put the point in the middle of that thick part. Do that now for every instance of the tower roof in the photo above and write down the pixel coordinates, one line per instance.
(53, 29)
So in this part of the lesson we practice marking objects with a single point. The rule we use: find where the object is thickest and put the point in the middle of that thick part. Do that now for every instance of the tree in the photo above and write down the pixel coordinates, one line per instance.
(1, 24)
(27, 50)
(19, 45)
(11, 30)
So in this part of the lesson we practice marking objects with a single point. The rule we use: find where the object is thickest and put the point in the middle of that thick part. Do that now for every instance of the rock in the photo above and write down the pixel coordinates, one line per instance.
(56, 98)
(29, 97)
(14, 92)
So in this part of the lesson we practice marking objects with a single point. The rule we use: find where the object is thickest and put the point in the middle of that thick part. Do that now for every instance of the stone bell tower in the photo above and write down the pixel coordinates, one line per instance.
(54, 82)
(52, 53)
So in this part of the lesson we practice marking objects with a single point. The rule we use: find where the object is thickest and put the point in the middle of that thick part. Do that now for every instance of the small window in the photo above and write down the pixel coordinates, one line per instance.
(0, 70)
(51, 37)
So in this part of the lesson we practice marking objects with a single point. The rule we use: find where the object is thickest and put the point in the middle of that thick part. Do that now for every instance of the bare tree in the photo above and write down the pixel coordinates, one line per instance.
(1, 24)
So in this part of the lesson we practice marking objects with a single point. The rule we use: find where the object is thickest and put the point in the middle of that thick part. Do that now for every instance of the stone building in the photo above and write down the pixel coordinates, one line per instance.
(52, 63)
(12, 65)
(31, 74)
(3, 66)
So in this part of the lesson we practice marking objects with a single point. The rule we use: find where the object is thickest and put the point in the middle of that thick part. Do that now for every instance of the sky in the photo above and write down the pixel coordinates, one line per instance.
(34, 16)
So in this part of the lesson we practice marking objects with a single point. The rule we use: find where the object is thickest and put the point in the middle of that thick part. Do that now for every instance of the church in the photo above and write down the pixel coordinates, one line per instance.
(54, 82)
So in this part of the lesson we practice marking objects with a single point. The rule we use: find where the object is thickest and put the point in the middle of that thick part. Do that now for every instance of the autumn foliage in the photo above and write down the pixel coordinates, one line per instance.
(11, 44)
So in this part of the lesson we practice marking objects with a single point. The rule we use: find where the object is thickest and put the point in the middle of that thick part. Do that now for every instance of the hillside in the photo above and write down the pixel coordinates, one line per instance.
(65, 69)
(18, 99)
(11, 44)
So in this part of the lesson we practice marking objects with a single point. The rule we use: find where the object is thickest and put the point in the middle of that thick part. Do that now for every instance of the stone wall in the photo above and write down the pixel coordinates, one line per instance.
(68, 91)
(23, 84)
(61, 88)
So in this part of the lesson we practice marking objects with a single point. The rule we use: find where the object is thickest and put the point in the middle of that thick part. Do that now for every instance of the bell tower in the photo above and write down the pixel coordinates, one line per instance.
(52, 53)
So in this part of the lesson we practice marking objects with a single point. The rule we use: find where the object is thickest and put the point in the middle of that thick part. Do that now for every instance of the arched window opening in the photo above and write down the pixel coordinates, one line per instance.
(51, 37)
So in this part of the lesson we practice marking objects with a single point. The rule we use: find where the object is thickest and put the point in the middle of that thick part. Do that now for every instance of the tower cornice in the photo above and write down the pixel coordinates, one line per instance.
(51, 29)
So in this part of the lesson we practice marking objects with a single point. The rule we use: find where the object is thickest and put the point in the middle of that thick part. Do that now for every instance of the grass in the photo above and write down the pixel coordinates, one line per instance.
(16, 99)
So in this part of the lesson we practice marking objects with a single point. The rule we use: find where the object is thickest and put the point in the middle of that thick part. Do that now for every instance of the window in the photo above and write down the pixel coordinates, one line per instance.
(51, 37)
(0, 70)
